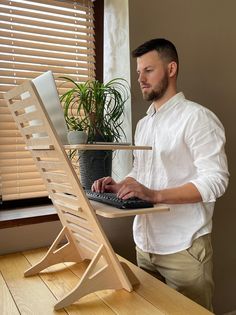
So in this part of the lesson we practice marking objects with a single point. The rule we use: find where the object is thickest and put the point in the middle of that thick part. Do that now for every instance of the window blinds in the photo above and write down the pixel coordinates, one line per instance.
(36, 36)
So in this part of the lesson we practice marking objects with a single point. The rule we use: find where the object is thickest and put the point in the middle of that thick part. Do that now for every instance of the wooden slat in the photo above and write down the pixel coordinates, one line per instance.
(25, 117)
(39, 143)
(82, 231)
(49, 165)
(80, 221)
(63, 188)
(77, 211)
(7, 304)
(22, 104)
(59, 177)
(67, 199)
(44, 155)
(88, 246)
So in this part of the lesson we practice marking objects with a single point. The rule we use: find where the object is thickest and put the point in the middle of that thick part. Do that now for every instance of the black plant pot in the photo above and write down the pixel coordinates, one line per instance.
(94, 164)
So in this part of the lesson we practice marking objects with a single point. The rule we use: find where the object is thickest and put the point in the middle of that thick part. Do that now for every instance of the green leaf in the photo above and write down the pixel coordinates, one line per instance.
(96, 107)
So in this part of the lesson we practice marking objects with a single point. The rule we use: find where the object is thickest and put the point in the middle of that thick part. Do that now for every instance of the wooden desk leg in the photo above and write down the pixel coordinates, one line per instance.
(57, 253)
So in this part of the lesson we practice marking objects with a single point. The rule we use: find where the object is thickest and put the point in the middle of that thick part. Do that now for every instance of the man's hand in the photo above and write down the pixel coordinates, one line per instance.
(108, 184)
(132, 188)
(105, 184)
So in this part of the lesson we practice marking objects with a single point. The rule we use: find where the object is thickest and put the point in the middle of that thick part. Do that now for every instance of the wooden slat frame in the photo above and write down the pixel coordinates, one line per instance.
(105, 270)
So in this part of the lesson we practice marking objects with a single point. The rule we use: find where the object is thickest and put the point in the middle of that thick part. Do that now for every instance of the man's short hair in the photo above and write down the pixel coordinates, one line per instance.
(164, 47)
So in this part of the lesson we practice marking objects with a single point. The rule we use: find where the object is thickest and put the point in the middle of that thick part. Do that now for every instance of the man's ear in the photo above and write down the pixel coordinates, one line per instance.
(172, 68)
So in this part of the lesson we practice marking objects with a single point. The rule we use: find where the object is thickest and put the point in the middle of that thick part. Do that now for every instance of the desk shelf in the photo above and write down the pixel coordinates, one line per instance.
(105, 147)
(107, 211)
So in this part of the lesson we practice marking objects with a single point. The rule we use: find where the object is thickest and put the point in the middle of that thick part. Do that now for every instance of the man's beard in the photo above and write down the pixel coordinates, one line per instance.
(157, 93)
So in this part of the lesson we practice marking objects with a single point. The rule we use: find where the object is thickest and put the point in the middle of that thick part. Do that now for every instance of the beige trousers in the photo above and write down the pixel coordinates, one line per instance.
(188, 271)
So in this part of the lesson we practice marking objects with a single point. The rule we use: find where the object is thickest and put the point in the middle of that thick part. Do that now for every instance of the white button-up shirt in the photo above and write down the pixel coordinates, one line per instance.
(187, 142)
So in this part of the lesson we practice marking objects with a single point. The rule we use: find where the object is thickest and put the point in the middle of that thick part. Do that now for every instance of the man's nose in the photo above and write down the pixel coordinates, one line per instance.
(141, 78)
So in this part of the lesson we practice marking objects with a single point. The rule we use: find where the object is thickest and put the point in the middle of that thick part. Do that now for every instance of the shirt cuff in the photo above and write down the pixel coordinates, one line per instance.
(207, 194)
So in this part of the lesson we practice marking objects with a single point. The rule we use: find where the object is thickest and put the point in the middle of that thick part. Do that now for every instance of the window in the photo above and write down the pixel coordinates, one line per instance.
(36, 36)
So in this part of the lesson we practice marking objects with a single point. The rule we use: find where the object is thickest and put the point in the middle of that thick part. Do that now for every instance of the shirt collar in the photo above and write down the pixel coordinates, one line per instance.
(172, 101)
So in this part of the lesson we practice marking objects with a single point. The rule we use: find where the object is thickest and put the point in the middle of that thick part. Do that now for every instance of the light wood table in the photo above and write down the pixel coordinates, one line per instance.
(38, 294)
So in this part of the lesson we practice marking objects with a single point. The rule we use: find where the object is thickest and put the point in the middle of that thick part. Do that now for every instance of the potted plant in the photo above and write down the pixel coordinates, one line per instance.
(98, 109)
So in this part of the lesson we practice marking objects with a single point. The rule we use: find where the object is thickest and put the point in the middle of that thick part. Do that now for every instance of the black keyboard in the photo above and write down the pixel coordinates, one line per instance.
(113, 200)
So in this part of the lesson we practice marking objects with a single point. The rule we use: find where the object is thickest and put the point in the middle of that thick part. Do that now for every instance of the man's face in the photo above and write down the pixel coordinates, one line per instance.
(152, 76)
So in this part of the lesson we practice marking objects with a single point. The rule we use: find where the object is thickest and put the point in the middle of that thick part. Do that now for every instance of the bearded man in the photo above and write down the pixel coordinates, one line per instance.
(186, 169)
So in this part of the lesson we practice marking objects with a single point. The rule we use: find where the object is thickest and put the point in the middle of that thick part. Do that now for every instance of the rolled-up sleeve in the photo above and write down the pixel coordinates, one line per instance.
(205, 137)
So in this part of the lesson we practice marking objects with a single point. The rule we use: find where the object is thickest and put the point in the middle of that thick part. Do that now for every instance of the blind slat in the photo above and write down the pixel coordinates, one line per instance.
(44, 32)
(19, 16)
(11, 141)
(26, 172)
(23, 189)
(7, 33)
(46, 54)
(44, 60)
(5, 164)
(56, 7)
(40, 22)
(72, 48)
(29, 75)
(40, 68)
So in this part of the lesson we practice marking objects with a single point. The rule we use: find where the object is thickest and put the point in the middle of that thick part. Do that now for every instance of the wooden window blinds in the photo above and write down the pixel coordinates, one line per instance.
(36, 36)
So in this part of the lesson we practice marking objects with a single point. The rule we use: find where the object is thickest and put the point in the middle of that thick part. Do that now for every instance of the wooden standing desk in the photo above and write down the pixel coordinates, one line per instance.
(38, 294)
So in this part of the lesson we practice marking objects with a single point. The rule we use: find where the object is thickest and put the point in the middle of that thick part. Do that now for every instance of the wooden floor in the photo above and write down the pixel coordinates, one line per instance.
(38, 294)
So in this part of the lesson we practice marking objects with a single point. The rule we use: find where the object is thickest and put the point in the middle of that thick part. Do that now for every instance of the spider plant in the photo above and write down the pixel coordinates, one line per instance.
(97, 108)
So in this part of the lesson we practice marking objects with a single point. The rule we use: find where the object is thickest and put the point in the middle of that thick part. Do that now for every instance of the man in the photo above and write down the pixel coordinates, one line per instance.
(187, 169)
